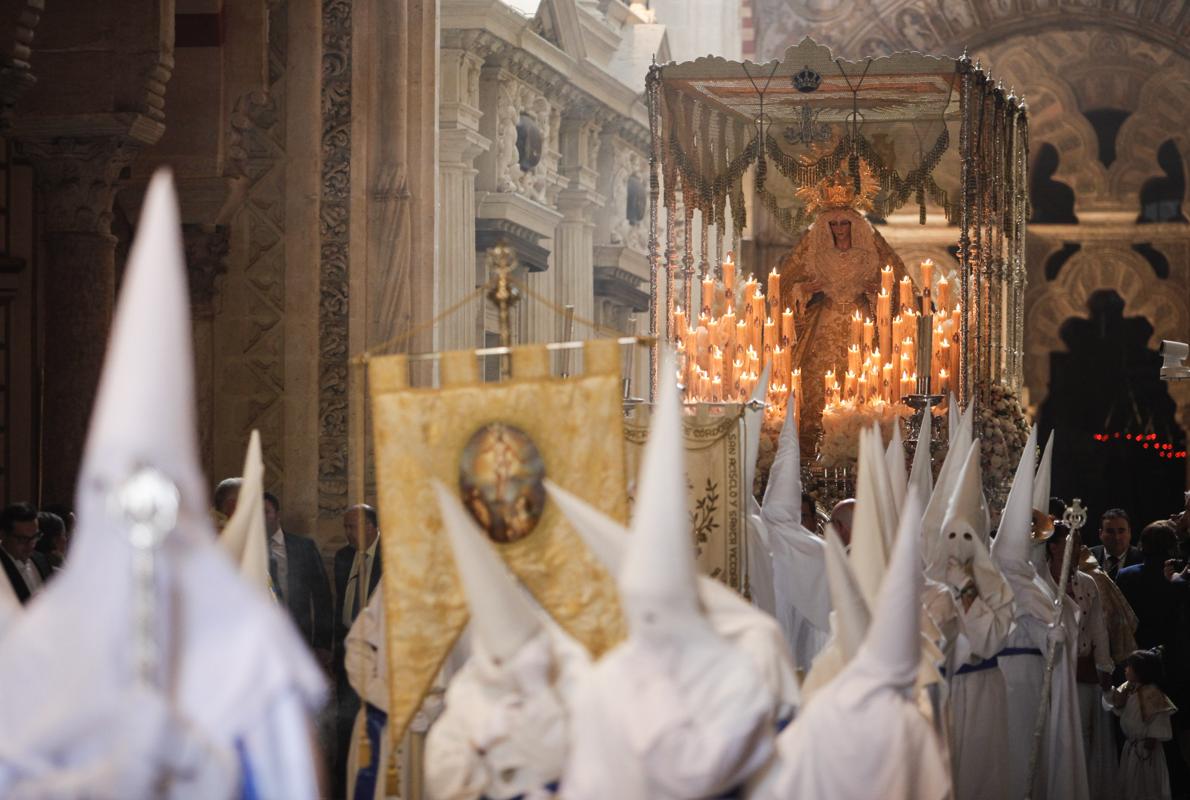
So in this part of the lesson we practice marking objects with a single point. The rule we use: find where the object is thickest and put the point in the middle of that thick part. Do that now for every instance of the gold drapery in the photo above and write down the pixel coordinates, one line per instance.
(420, 433)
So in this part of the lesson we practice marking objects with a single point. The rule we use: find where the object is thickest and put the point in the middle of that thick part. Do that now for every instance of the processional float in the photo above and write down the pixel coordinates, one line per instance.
(836, 145)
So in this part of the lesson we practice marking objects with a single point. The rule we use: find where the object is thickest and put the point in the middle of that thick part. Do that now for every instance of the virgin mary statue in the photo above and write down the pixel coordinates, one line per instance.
(830, 273)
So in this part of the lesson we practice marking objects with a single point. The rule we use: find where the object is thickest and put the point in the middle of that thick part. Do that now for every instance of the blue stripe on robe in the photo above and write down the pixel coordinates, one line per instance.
(365, 779)
(247, 783)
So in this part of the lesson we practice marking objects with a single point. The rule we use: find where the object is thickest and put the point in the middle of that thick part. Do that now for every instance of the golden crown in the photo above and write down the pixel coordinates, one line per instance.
(838, 191)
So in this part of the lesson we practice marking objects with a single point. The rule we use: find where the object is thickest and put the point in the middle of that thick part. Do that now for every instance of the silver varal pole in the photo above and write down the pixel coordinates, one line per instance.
(1075, 517)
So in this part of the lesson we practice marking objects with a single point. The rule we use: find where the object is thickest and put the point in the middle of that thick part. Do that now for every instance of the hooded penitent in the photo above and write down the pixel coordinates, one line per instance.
(948, 475)
(921, 476)
(504, 731)
(759, 551)
(674, 711)
(802, 601)
(239, 678)
(244, 535)
(863, 736)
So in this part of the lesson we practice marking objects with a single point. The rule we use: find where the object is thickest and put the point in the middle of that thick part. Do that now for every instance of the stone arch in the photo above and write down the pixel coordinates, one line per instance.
(1160, 115)
(1096, 267)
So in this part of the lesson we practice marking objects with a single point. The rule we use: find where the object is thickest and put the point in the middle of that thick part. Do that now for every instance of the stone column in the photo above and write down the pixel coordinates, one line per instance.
(574, 249)
(459, 143)
(206, 248)
(76, 177)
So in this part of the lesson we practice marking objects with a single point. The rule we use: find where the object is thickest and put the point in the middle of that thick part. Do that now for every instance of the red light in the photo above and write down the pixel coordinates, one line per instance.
(1117, 435)
(1145, 446)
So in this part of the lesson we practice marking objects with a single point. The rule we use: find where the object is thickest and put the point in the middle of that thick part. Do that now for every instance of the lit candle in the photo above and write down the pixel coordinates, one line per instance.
(738, 374)
(869, 335)
(884, 319)
(770, 335)
(828, 380)
(907, 384)
(907, 349)
(940, 358)
(716, 363)
(853, 358)
(886, 383)
(708, 294)
(942, 298)
(849, 381)
(716, 389)
(887, 279)
(775, 289)
(861, 389)
(927, 277)
(704, 340)
(753, 361)
(906, 298)
(857, 327)
(779, 363)
(727, 330)
(943, 383)
(757, 319)
(796, 389)
(729, 276)
(680, 324)
(787, 329)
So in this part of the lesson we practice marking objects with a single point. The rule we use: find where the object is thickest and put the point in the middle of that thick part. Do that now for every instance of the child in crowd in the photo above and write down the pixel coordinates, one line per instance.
(1144, 713)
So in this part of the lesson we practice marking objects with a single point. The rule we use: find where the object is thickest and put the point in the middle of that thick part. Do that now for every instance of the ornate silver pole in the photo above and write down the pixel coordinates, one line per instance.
(652, 93)
(1075, 517)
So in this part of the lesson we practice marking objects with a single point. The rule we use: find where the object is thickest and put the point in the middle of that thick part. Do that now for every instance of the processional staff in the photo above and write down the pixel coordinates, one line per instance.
(1075, 517)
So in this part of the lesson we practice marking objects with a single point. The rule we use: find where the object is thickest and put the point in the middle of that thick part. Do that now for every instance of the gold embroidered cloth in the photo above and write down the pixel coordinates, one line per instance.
(575, 424)
(715, 479)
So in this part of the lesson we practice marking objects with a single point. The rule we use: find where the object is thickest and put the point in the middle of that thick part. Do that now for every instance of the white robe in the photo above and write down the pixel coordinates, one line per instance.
(978, 700)
(800, 593)
(1143, 772)
(504, 731)
(1061, 770)
(857, 743)
(668, 721)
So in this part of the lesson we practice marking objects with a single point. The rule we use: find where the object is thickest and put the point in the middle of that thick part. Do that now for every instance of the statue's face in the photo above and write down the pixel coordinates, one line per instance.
(841, 233)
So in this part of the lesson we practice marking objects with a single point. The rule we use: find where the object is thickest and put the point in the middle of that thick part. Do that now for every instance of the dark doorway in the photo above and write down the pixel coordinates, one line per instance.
(1117, 443)
(1161, 198)
(1052, 200)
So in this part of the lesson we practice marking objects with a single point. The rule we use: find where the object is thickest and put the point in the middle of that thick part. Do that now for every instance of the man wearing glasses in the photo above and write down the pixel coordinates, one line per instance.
(27, 570)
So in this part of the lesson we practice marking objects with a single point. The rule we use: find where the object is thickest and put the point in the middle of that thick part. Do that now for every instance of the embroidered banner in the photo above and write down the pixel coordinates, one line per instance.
(493, 442)
(715, 479)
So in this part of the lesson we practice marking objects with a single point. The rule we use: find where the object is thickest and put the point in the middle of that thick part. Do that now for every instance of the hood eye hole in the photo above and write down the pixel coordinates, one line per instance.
(967, 536)
(952, 535)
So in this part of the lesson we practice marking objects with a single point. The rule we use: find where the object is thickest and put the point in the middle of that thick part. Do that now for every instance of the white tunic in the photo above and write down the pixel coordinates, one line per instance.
(667, 723)
(1143, 773)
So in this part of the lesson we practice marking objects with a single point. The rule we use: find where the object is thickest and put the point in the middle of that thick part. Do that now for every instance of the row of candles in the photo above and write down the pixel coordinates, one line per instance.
(888, 358)
(724, 348)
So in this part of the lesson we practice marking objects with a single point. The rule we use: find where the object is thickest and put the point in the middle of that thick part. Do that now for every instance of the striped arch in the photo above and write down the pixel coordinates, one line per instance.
(1160, 115)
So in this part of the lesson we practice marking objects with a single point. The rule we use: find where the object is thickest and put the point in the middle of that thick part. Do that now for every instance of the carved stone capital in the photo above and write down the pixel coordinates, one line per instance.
(77, 177)
(206, 248)
(249, 150)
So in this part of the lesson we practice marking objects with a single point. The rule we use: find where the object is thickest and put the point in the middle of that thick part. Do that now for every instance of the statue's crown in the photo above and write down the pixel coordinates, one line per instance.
(838, 191)
(807, 80)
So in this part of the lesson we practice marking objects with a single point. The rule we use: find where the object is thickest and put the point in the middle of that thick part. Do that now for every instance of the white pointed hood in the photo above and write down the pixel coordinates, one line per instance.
(605, 538)
(922, 476)
(849, 615)
(1013, 542)
(894, 461)
(502, 618)
(892, 648)
(753, 422)
(10, 607)
(1041, 482)
(1012, 549)
(871, 528)
(953, 415)
(948, 476)
(782, 503)
(968, 509)
(658, 579)
(244, 536)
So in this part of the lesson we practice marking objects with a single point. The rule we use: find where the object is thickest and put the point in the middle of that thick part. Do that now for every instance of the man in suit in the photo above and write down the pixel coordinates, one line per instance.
(360, 556)
(1116, 550)
(295, 566)
(26, 569)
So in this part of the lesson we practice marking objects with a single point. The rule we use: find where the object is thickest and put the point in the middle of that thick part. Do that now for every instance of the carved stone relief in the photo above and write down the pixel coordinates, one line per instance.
(628, 165)
(541, 181)
(334, 234)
